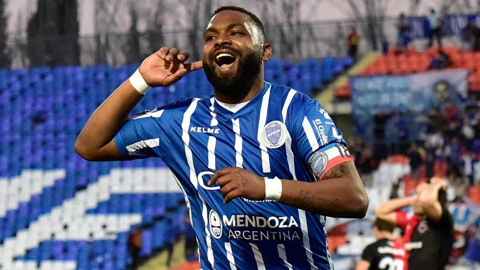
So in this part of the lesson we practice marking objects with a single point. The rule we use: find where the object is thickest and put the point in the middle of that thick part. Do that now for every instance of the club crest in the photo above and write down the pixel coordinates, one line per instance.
(274, 134)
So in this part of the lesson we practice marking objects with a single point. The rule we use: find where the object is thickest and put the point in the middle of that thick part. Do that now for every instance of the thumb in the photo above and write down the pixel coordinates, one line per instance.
(193, 66)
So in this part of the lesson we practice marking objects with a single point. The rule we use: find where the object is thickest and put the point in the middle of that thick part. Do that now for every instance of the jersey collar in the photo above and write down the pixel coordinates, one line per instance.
(219, 109)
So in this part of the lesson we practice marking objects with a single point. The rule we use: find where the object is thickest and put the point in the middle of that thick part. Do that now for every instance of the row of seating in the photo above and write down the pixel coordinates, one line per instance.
(110, 254)
(414, 62)
(43, 110)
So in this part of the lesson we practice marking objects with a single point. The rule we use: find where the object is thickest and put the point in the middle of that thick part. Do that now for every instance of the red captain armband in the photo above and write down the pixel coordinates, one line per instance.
(321, 161)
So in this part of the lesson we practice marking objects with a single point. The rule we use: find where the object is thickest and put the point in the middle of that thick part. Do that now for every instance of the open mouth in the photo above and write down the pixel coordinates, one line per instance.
(224, 60)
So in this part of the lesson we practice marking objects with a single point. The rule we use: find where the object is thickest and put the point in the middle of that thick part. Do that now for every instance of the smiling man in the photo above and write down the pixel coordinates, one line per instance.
(261, 165)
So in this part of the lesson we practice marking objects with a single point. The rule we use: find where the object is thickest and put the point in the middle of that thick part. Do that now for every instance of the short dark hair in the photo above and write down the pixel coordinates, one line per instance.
(442, 197)
(383, 225)
(255, 19)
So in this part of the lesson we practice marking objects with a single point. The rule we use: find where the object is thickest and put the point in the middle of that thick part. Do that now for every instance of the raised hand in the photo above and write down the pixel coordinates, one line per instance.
(438, 183)
(166, 66)
(237, 182)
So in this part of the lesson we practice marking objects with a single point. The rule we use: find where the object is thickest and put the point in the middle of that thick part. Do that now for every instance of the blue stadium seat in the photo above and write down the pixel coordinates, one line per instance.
(44, 110)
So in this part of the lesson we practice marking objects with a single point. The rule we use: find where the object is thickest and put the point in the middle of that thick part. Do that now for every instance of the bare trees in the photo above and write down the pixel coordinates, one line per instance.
(4, 54)
(52, 34)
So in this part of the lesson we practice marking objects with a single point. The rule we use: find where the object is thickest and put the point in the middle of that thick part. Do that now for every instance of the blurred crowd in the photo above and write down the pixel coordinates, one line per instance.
(447, 141)
(470, 34)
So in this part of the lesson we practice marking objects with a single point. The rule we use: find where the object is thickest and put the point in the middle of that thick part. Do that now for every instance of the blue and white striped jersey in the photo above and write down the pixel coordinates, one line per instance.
(273, 135)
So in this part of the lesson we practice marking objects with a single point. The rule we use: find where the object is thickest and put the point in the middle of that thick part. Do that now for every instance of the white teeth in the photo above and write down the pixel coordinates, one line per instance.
(224, 54)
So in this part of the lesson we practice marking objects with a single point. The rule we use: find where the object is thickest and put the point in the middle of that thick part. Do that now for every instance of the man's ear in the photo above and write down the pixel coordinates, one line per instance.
(266, 52)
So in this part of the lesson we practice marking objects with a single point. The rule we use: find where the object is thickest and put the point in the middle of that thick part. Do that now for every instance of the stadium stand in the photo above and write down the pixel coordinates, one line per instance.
(59, 212)
(413, 61)
(451, 145)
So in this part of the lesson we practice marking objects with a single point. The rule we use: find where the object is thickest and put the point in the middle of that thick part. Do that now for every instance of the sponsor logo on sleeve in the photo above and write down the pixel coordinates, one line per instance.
(321, 131)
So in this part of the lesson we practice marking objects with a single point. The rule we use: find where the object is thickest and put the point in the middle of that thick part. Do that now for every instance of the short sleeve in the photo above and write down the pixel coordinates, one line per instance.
(445, 222)
(402, 219)
(368, 253)
(141, 136)
(316, 138)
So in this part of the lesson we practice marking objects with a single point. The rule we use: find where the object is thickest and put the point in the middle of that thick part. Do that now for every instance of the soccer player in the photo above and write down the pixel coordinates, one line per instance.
(385, 253)
(428, 232)
(260, 165)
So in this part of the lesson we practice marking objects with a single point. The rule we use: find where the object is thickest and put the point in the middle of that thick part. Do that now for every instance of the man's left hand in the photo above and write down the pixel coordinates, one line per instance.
(237, 182)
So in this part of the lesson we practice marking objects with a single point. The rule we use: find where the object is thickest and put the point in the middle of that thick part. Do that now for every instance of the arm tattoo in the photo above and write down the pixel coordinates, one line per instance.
(337, 171)
(311, 201)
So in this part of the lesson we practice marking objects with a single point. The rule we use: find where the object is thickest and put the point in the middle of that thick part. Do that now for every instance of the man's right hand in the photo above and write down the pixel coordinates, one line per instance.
(166, 66)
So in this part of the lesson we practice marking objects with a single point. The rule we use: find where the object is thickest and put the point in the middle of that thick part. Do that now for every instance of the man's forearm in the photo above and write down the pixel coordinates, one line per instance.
(334, 197)
(393, 205)
(107, 120)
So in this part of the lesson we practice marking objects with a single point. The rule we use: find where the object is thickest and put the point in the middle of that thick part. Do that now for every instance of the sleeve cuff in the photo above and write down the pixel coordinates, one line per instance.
(120, 145)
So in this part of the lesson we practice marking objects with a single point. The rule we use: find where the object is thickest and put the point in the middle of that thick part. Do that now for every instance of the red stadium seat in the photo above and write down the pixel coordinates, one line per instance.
(342, 92)
(468, 59)
(457, 61)
(477, 60)
(424, 60)
(474, 194)
(440, 169)
(413, 61)
(398, 63)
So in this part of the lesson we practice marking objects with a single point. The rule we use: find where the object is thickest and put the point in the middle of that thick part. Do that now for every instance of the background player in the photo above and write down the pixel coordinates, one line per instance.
(383, 253)
(248, 136)
(428, 232)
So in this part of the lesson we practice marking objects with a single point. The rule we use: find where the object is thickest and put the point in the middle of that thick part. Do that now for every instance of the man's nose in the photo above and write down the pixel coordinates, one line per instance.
(223, 40)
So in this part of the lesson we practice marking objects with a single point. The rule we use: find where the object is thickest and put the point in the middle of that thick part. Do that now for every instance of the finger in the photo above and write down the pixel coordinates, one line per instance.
(162, 53)
(172, 54)
(225, 179)
(182, 57)
(232, 195)
(194, 66)
(179, 74)
(228, 188)
(218, 174)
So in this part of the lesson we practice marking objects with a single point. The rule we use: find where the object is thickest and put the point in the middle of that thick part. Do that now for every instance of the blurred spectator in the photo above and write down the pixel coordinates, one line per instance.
(190, 241)
(395, 189)
(380, 121)
(454, 152)
(441, 62)
(134, 246)
(353, 40)
(401, 125)
(170, 243)
(385, 46)
(467, 165)
(357, 146)
(460, 187)
(476, 39)
(365, 165)
(468, 131)
(403, 31)
(435, 22)
(438, 120)
(415, 161)
(473, 250)
(429, 160)
(468, 36)
(436, 140)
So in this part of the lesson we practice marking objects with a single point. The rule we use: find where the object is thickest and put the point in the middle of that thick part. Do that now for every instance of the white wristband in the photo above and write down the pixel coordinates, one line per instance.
(139, 83)
(273, 189)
